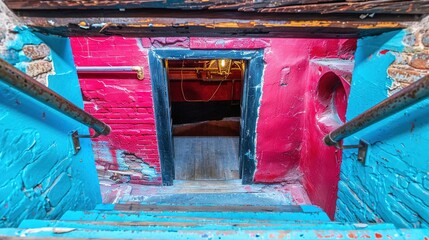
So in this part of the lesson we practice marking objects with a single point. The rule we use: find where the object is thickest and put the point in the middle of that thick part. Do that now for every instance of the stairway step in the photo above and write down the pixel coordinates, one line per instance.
(133, 217)
(139, 212)
(198, 225)
(123, 216)
(214, 234)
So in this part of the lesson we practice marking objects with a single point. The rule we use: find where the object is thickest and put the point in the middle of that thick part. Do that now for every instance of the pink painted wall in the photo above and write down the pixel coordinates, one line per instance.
(130, 152)
(288, 146)
(326, 97)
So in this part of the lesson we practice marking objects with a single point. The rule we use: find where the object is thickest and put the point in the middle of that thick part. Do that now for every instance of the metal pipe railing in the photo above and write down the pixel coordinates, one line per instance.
(107, 69)
(93, 69)
(395, 103)
(24, 83)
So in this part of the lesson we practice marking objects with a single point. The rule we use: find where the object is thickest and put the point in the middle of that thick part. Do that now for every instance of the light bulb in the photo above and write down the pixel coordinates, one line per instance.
(222, 63)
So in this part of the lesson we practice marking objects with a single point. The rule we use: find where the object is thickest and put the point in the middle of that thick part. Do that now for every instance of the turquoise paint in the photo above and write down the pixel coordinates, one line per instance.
(23, 37)
(209, 234)
(188, 225)
(122, 165)
(41, 177)
(203, 225)
(390, 186)
(95, 215)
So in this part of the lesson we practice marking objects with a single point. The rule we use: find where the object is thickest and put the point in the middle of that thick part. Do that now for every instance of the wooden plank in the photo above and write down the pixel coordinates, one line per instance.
(206, 158)
(184, 160)
(375, 6)
(171, 208)
(316, 6)
(212, 25)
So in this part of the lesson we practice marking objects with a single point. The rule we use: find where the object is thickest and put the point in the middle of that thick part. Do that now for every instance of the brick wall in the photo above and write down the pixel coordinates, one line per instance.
(393, 185)
(125, 103)
(41, 177)
(130, 152)
(413, 62)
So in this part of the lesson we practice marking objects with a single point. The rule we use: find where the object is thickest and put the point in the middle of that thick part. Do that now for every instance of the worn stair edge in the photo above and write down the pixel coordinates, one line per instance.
(140, 216)
(225, 235)
(197, 225)
(109, 216)
(213, 208)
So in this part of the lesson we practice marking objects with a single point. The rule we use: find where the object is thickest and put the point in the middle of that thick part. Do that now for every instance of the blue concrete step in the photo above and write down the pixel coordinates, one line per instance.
(175, 225)
(396, 234)
(204, 222)
(131, 213)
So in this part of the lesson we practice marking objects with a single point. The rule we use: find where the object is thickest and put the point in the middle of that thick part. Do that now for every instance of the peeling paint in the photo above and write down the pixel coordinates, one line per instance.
(380, 190)
(42, 176)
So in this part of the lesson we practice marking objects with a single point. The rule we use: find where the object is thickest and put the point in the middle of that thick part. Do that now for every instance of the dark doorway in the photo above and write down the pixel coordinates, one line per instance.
(205, 99)
(206, 105)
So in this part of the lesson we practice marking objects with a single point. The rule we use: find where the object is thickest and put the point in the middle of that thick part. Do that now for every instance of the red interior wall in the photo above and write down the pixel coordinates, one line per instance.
(288, 144)
(283, 109)
(319, 164)
(200, 90)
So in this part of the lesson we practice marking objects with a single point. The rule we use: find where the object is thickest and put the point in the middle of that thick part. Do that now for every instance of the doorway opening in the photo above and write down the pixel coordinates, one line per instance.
(205, 111)
(205, 99)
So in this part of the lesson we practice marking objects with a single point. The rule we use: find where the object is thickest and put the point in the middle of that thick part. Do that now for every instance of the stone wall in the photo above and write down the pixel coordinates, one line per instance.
(413, 62)
(392, 186)
(42, 176)
(19, 48)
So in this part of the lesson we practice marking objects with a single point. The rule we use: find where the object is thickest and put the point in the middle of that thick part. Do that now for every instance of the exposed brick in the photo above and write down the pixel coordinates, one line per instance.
(35, 52)
(38, 67)
(420, 61)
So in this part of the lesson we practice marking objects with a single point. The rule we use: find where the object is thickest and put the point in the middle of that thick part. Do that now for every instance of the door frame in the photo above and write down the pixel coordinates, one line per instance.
(251, 97)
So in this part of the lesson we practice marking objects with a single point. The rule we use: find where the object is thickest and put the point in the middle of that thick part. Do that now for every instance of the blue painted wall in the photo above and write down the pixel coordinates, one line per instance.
(393, 186)
(41, 176)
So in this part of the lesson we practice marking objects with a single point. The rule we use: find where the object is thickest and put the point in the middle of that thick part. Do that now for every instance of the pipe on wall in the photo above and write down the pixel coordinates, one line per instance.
(91, 69)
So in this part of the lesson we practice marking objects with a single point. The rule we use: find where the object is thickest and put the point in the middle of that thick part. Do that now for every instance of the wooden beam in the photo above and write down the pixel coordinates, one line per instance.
(166, 24)
(302, 6)
(353, 6)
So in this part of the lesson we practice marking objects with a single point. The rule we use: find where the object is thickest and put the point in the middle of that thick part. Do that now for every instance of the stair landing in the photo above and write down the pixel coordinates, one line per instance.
(230, 192)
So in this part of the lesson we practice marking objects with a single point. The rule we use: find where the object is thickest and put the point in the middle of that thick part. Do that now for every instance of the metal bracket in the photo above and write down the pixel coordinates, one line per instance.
(89, 136)
(139, 70)
(75, 140)
(362, 152)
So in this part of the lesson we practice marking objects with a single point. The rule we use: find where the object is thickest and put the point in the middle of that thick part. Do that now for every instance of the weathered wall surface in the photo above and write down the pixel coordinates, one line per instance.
(393, 186)
(126, 103)
(41, 176)
(413, 62)
(28, 54)
(130, 152)
(326, 101)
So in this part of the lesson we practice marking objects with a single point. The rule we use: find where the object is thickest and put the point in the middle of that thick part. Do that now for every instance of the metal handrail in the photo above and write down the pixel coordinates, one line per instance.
(24, 83)
(406, 97)
(96, 69)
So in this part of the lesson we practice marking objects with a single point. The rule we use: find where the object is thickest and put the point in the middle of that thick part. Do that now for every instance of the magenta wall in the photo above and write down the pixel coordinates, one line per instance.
(288, 145)
(130, 152)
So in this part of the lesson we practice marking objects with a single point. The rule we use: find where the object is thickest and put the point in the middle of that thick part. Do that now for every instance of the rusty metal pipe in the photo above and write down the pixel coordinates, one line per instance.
(24, 83)
(406, 97)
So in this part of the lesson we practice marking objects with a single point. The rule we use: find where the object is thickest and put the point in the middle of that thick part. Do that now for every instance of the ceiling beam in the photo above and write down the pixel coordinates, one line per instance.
(297, 6)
